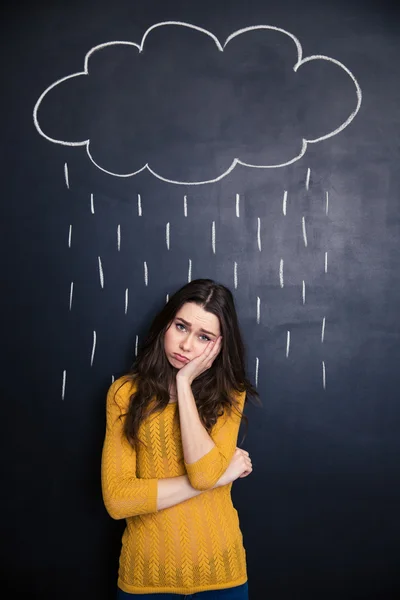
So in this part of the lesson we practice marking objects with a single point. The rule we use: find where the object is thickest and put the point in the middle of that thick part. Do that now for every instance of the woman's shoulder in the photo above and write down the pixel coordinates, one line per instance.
(121, 390)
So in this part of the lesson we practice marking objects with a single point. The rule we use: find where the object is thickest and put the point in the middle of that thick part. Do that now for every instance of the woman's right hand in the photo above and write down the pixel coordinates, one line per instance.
(240, 466)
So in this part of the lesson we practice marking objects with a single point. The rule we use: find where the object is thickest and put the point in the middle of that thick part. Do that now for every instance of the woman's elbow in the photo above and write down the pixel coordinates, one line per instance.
(202, 482)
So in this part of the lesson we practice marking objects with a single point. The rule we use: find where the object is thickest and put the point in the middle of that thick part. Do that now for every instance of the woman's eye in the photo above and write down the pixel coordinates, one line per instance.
(180, 325)
(206, 338)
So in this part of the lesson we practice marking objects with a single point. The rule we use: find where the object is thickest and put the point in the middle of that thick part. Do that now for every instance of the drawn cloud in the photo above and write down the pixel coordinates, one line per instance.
(90, 141)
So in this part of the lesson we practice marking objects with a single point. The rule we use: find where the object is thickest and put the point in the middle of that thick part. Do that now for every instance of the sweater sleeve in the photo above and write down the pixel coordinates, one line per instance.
(205, 472)
(124, 494)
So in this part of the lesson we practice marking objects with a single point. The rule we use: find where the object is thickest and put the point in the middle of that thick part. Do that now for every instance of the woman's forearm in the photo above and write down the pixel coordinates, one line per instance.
(174, 490)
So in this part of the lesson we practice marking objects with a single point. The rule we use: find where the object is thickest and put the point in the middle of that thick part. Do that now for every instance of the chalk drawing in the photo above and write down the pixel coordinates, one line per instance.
(112, 378)
(327, 203)
(287, 343)
(235, 275)
(167, 299)
(257, 365)
(126, 300)
(213, 236)
(303, 224)
(284, 203)
(64, 380)
(258, 233)
(139, 204)
(92, 204)
(281, 273)
(167, 235)
(66, 175)
(146, 273)
(190, 271)
(71, 292)
(258, 310)
(70, 236)
(93, 348)
(220, 47)
(101, 274)
(237, 205)
(304, 292)
(119, 238)
(323, 330)
(185, 205)
(308, 179)
(136, 345)
(326, 262)
(323, 375)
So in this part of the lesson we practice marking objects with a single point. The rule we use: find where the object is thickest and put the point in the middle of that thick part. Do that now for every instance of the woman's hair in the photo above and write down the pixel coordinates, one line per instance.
(214, 389)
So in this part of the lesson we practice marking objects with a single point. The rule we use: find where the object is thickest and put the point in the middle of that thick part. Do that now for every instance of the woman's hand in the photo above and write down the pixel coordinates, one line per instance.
(240, 466)
(201, 363)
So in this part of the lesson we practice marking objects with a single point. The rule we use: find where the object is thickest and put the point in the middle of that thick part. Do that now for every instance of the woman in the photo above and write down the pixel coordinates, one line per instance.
(170, 455)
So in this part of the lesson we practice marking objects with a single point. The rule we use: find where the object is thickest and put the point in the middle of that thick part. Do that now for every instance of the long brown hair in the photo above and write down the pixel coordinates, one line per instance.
(215, 388)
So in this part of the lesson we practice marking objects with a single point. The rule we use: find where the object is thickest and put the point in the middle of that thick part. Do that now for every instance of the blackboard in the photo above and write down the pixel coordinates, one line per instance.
(148, 143)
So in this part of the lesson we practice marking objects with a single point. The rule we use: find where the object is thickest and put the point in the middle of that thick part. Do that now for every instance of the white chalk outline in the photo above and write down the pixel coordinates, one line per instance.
(139, 204)
(259, 233)
(287, 344)
(308, 179)
(69, 236)
(304, 292)
(213, 236)
(258, 310)
(185, 205)
(281, 273)
(303, 224)
(71, 292)
(119, 238)
(238, 205)
(64, 380)
(66, 176)
(126, 300)
(167, 229)
(92, 204)
(235, 276)
(323, 375)
(93, 348)
(190, 271)
(146, 273)
(136, 344)
(257, 365)
(284, 203)
(327, 203)
(101, 274)
(326, 262)
(300, 61)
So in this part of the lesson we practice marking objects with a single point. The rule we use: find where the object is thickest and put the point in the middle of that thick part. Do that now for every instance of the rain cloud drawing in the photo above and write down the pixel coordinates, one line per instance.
(181, 97)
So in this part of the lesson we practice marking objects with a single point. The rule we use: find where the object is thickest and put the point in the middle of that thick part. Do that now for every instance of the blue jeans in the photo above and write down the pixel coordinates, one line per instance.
(240, 592)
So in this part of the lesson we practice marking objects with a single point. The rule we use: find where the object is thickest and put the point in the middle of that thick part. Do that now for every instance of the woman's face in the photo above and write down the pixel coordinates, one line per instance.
(189, 334)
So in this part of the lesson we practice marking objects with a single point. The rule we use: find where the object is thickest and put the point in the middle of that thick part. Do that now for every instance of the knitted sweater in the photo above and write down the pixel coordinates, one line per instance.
(190, 547)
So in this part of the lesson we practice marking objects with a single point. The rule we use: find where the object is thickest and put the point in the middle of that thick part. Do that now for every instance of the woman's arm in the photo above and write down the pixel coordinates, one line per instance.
(206, 456)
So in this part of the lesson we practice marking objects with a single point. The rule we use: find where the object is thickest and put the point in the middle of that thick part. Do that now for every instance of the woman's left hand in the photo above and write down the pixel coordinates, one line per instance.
(201, 363)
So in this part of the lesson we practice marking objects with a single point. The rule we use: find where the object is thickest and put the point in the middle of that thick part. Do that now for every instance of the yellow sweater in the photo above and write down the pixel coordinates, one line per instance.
(193, 546)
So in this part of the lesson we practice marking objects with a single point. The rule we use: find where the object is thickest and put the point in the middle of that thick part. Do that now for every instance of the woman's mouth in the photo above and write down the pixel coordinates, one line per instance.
(181, 358)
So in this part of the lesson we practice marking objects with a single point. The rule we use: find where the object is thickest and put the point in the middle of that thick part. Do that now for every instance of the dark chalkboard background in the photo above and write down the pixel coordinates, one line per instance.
(320, 513)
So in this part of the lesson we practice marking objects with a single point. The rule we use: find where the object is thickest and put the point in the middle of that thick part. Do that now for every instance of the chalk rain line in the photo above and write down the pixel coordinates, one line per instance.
(93, 348)
(139, 203)
(308, 179)
(64, 381)
(213, 236)
(167, 230)
(258, 233)
(92, 204)
(237, 205)
(235, 275)
(71, 292)
(258, 310)
(190, 271)
(284, 203)
(256, 374)
(119, 238)
(126, 300)
(185, 205)
(101, 274)
(70, 236)
(66, 175)
(146, 273)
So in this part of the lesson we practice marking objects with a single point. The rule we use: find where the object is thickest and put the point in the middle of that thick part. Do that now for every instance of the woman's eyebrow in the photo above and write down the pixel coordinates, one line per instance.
(189, 325)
